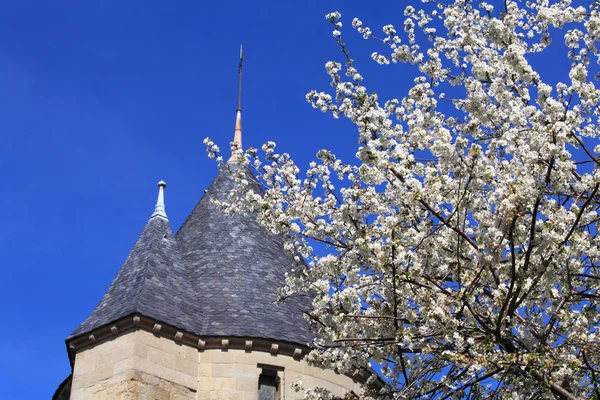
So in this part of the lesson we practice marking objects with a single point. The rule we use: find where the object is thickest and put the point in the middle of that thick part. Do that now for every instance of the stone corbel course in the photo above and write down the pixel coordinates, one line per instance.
(137, 321)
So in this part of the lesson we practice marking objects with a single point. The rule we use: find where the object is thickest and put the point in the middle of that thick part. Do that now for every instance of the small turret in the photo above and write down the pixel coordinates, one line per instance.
(159, 209)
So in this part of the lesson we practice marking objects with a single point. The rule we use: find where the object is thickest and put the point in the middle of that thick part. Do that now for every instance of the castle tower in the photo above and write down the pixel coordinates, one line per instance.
(193, 315)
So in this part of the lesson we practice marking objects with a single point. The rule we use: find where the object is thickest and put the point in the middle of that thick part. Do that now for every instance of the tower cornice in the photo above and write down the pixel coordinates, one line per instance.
(138, 321)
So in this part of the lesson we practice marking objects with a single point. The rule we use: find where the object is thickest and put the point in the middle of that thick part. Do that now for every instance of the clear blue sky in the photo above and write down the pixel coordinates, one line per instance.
(101, 99)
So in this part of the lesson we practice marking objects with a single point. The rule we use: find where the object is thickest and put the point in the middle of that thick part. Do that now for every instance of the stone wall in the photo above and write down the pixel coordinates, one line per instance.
(142, 366)
(234, 374)
(135, 365)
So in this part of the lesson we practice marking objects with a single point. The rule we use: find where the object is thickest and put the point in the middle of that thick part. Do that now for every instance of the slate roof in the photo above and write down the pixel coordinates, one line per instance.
(153, 281)
(217, 277)
(235, 268)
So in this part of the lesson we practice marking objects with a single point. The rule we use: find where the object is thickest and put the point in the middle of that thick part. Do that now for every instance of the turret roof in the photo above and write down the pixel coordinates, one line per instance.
(153, 281)
(217, 277)
(235, 267)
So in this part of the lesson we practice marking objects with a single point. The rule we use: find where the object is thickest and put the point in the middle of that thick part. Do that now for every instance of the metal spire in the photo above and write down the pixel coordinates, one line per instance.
(159, 209)
(237, 137)
(239, 107)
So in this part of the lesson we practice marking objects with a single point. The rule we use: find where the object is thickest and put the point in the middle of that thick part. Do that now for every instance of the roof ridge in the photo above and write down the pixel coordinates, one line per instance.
(146, 272)
(182, 298)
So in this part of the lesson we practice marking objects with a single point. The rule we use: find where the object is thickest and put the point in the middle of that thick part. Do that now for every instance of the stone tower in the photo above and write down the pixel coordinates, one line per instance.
(192, 315)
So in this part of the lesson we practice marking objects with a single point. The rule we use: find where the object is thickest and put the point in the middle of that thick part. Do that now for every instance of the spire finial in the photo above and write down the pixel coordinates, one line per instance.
(239, 107)
(159, 210)
(237, 136)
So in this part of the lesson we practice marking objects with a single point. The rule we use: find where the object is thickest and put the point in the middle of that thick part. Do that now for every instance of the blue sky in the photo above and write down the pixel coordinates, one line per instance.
(99, 100)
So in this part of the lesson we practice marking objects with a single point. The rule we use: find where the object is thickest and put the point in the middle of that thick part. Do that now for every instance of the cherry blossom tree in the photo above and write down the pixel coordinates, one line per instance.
(459, 250)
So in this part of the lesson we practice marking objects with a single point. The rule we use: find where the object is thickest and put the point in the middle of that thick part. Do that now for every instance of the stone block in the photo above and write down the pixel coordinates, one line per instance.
(217, 356)
(140, 350)
(180, 396)
(253, 395)
(144, 365)
(136, 387)
(79, 394)
(225, 385)
(79, 381)
(131, 374)
(186, 366)
(120, 388)
(191, 354)
(254, 357)
(246, 385)
(156, 393)
(99, 374)
(177, 377)
(172, 347)
(148, 339)
(235, 371)
(114, 355)
(206, 384)
(123, 365)
(229, 396)
(84, 366)
(308, 370)
(161, 357)
(259, 357)
(204, 370)
(81, 355)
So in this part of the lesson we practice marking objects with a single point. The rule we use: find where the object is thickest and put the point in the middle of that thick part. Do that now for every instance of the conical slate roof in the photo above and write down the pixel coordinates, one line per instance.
(217, 277)
(235, 267)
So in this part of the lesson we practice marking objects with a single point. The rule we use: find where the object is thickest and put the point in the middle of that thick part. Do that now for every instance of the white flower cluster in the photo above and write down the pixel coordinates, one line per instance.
(460, 249)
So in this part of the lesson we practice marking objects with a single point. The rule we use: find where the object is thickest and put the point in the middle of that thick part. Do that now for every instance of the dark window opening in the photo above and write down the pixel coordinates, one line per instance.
(268, 385)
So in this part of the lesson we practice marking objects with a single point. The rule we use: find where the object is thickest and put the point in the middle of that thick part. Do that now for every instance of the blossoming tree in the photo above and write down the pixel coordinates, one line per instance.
(460, 249)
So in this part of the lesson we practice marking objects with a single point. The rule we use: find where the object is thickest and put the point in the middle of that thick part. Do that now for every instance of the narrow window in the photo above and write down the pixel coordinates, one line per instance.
(268, 384)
